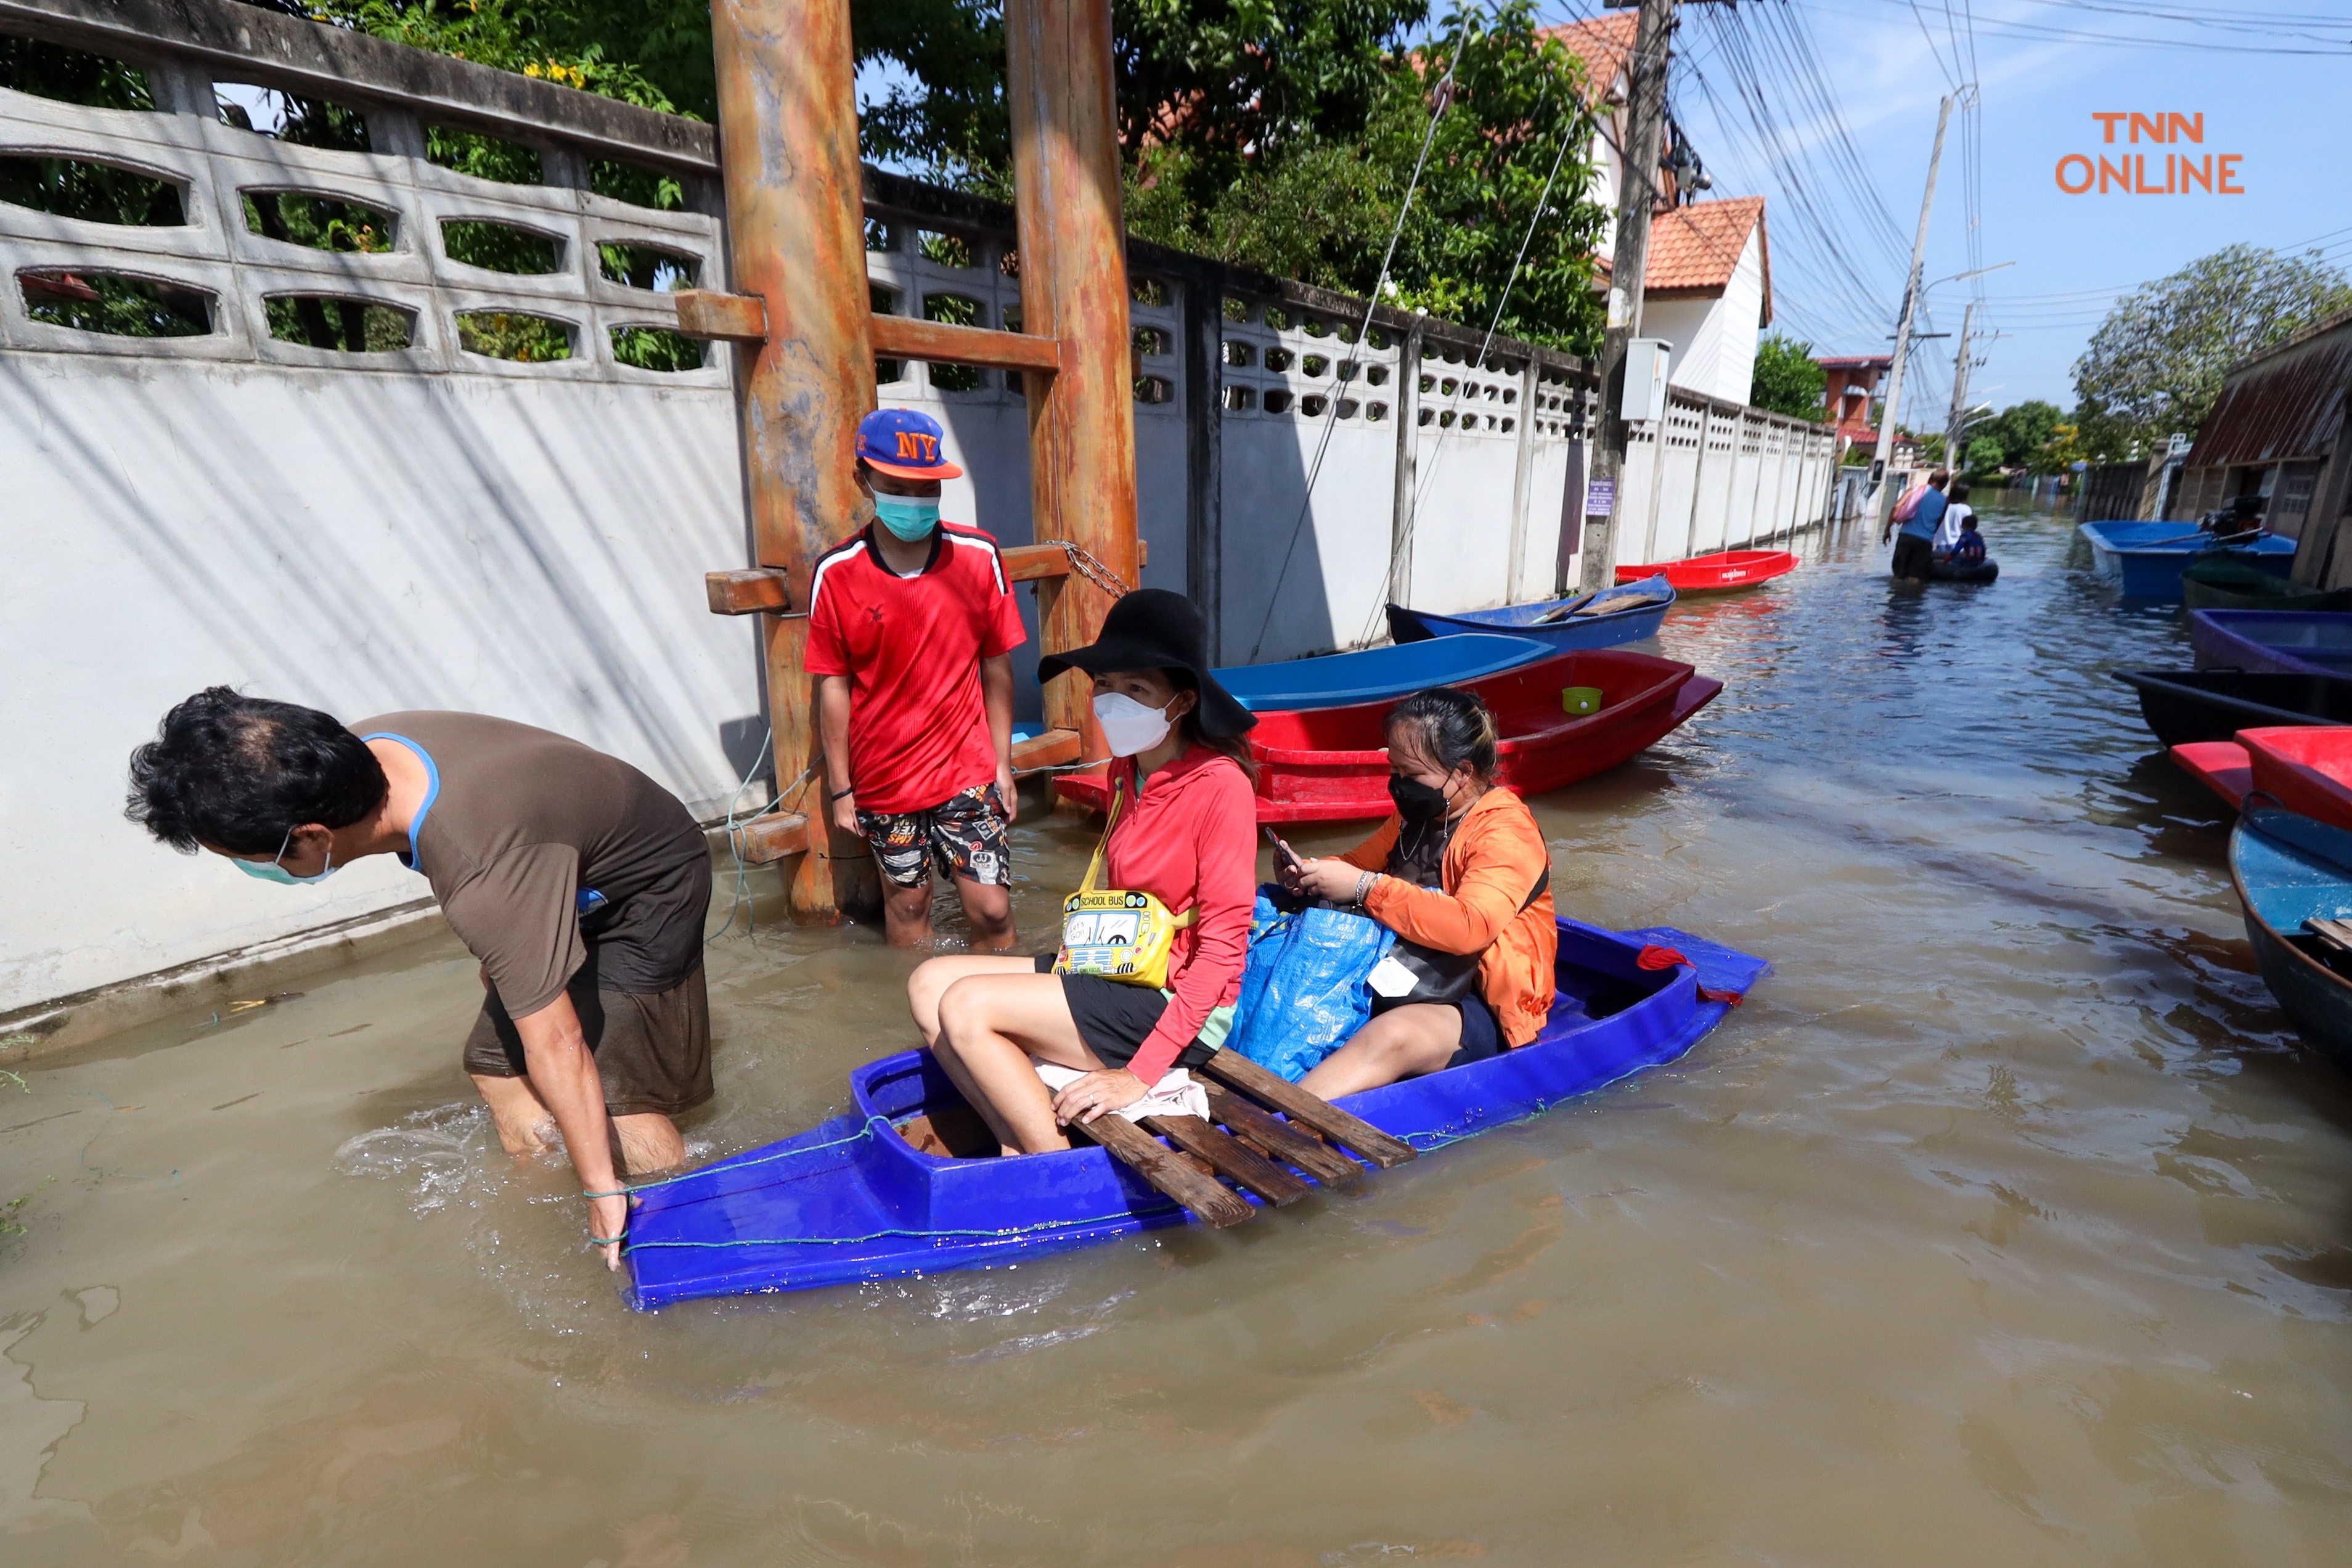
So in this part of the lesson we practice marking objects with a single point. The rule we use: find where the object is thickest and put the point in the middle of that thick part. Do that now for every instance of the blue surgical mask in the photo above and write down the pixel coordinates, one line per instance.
(273, 872)
(909, 516)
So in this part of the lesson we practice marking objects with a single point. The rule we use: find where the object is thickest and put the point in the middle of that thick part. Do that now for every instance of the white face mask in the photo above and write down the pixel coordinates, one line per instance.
(1127, 725)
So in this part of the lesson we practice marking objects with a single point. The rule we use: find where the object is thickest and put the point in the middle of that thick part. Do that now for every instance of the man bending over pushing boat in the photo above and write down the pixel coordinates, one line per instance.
(579, 882)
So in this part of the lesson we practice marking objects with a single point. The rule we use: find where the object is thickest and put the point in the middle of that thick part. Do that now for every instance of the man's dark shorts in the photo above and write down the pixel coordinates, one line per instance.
(1914, 555)
(964, 836)
(652, 1050)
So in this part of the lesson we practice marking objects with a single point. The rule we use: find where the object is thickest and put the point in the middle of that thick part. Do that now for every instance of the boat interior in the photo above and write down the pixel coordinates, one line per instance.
(1526, 702)
(1596, 980)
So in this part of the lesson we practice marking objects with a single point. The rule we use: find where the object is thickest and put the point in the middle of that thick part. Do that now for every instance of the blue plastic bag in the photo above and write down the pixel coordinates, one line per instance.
(1304, 993)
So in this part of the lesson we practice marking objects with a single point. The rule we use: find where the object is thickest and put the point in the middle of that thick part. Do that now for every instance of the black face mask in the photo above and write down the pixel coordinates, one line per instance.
(1415, 801)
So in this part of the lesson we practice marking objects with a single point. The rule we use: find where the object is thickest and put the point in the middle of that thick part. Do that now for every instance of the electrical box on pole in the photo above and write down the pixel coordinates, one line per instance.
(1646, 362)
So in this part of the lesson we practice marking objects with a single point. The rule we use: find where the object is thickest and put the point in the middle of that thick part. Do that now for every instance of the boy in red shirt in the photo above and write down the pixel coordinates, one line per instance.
(912, 625)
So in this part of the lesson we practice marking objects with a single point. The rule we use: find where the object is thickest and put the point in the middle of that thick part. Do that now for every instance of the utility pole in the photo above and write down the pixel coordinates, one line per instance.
(1902, 327)
(1956, 429)
(1645, 121)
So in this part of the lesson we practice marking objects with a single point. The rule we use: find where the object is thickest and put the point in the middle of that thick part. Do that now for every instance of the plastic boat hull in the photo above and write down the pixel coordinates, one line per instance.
(1720, 572)
(2186, 706)
(1377, 674)
(1632, 622)
(2286, 870)
(2223, 581)
(850, 1200)
(2220, 765)
(1327, 765)
(2295, 642)
(2145, 559)
(1982, 572)
(2306, 769)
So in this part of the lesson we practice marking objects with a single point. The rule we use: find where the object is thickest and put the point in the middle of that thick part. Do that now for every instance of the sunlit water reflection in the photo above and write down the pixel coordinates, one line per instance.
(2006, 1222)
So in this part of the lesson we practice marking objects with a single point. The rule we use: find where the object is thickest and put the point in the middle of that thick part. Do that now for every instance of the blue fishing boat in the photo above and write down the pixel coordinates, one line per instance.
(2146, 559)
(1606, 619)
(853, 1199)
(2289, 872)
(2286, 642)
(1377, 674)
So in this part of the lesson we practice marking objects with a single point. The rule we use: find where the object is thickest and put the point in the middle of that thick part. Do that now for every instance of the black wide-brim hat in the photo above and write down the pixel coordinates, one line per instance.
(1152, 628)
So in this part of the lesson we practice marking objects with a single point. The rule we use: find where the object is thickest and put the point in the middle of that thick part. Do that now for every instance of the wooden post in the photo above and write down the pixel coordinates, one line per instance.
(795, 230)
(1074, 288)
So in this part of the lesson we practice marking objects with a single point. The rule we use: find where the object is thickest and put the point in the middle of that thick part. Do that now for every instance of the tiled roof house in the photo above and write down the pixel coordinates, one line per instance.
(1708, 286)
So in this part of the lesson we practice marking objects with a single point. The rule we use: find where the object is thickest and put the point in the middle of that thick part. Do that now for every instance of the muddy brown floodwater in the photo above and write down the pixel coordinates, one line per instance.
(2006, 1224)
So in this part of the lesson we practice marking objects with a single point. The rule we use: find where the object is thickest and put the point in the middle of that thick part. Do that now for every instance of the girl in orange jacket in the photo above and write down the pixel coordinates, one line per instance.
(1460, 869)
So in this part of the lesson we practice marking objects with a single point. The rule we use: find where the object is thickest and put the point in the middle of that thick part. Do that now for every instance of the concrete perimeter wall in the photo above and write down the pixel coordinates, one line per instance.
(434, 528)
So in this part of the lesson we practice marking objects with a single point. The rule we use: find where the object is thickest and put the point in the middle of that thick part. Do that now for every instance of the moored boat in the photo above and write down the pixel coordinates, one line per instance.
(2220, 765)
(2290, 641)
(2227, 582)
(1607, 619)
(1377, 674)
(2290, 871)
(2146, 559)
(1719, 572)
(2188, 705)
(2306, 769)
(851, 1199)
(1327, 764)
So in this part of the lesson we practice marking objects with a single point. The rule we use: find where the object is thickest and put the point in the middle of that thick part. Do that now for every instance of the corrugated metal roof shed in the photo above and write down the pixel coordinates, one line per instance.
(2287, 403)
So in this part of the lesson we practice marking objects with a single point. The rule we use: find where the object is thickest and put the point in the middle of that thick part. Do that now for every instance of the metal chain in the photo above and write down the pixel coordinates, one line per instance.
(1092, 570)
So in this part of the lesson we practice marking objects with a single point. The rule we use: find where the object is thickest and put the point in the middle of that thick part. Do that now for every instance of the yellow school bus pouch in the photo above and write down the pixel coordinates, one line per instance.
(1116, 934)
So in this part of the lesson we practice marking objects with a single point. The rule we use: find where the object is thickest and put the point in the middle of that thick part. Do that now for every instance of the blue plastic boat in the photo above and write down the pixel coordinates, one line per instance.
(2288, 869)
(1377, 674)
(2145, 558)
(851, 1200)
(2283, 642)
(1636, 611)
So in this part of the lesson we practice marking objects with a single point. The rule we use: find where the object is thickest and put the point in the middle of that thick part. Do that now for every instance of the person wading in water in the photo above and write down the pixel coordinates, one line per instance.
(579, 882)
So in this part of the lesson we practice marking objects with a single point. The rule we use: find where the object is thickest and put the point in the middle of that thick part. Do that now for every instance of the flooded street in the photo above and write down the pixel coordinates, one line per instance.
(2007, 1223)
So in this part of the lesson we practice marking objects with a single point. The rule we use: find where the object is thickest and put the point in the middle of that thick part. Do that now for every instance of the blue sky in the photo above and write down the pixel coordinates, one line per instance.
(2043, 68)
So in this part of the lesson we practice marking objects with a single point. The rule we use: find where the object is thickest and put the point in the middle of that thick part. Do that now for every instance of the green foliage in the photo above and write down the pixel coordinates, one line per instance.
(319, 222)
(1319, 207)
(353, 326)
(94, 193)
(655, 348)
(52, 70)
(2021, 430)
(500, 246)
(1983, 455)
(508, 334)
(121, 307)
(2155, 364)
(575, 43)
(1787, 381)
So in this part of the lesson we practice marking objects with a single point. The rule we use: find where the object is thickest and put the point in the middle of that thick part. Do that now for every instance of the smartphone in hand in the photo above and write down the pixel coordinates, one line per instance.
(1283, 854)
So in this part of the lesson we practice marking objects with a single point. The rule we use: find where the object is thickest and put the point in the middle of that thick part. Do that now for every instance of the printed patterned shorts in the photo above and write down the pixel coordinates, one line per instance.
(964, 836)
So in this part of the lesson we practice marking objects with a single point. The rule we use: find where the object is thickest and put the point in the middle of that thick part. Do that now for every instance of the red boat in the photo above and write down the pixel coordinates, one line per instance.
(1327, 764)
(1719, 572)
(2221, 767)
(2306, 768)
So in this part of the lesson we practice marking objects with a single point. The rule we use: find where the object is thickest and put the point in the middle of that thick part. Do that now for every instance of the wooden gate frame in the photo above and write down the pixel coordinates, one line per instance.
(807, 338)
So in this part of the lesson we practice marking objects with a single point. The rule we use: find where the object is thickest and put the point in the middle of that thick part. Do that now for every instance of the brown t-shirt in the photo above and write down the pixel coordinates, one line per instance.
(545, 853)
